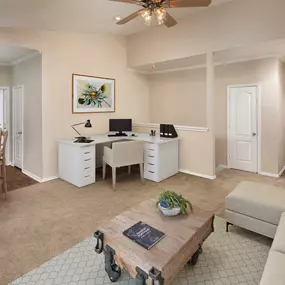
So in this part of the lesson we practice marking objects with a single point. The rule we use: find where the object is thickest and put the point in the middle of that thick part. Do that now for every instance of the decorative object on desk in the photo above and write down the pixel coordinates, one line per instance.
(171, 204)
(82, 139)
(152, 133)
(168, 131)
(92, 94)
(144, 235)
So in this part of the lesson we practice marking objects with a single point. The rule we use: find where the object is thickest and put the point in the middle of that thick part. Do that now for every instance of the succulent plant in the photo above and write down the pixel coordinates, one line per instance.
(170, 200)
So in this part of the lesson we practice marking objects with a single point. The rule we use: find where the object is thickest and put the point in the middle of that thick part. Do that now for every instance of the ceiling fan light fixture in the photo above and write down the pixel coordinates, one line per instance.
(147, 16)
(160, 14)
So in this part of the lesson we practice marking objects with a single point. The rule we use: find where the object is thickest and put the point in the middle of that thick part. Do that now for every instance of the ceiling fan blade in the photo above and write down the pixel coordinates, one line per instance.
(130, 17)
(169, 21)
(187, 3)
(125, 1)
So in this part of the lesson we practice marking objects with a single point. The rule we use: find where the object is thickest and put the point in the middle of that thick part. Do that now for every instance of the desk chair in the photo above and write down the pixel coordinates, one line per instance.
(123, 154)
(3, 142)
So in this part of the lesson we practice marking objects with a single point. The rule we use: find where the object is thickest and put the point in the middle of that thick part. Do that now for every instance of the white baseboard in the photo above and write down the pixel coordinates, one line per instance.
(49, 178)
(269, 174)
(35, 177)
(198, 174)
(282, 170)
(220, 168)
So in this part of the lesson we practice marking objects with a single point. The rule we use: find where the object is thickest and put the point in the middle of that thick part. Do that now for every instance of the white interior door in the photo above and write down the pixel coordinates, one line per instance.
(242, 128)
(18, 126)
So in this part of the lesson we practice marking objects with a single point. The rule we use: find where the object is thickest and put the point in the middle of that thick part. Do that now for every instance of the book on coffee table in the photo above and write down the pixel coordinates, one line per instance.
(144, 235)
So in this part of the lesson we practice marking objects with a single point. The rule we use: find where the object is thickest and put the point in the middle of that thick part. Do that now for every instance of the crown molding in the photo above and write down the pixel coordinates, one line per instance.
(26, 57)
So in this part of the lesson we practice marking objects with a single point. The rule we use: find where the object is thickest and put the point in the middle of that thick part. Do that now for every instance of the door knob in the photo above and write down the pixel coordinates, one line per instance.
(254, 134)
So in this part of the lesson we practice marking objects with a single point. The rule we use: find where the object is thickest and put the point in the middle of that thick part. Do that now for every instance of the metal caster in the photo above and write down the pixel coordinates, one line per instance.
(111, 268)
(194, 259)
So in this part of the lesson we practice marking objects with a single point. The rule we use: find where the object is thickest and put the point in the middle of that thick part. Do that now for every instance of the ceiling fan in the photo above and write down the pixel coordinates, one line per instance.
(158, 8)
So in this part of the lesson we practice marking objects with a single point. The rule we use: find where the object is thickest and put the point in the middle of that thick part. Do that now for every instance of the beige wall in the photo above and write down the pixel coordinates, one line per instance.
(178, 97)
(64, 54)
(5, 76)
(191, 87)
(29, 74)
(222, 27)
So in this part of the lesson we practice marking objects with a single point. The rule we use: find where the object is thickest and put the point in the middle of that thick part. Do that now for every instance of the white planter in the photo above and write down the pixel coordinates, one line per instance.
(169, 212)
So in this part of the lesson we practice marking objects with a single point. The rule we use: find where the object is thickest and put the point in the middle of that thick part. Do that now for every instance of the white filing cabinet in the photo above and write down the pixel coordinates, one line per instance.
(77, 162)
(160, 160)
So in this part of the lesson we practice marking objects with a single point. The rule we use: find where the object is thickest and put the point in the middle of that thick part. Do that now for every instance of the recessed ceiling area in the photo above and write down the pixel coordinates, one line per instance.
(87, 16)
(262, 50)
(10, 54)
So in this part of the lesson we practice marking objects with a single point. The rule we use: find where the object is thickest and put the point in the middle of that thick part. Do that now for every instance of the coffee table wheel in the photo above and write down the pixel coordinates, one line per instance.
(194, 259)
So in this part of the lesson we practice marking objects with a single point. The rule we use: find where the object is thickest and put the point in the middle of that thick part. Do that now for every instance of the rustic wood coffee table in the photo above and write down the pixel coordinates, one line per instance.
(184, 236)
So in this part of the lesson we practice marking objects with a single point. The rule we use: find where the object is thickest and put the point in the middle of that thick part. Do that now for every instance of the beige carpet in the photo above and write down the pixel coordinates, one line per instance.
(40, 221)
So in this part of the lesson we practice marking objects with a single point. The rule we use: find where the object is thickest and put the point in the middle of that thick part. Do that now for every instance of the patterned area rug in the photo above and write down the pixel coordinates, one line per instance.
(237, 257)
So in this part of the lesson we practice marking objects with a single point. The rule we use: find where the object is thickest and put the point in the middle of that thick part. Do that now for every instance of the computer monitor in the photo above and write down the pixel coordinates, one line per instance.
(120, 126)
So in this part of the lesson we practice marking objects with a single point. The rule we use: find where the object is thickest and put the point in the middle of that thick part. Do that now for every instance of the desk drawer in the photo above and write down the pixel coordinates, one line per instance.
(88, 179)
(149, 159)
(88, 162)
(150, 167)
(89, 171)
(150, 147)
(150, 175)
(88, 152)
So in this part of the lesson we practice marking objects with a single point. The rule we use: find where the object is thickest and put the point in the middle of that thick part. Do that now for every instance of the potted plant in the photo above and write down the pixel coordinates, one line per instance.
(171, 204)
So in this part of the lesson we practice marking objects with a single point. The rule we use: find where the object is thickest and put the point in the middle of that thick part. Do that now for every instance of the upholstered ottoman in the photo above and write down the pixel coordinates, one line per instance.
(256, 207)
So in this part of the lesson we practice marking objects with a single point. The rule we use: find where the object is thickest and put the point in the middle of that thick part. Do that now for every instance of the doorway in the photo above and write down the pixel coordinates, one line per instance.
(18, 128)
(243, 127)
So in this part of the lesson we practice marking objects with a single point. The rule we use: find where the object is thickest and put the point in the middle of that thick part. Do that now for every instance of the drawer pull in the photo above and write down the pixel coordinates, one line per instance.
(87, 152)
(87, 167)
(87, 176)
(87, 159)
(151, 172)
(151, 163)
(151, 149)
(151, 156)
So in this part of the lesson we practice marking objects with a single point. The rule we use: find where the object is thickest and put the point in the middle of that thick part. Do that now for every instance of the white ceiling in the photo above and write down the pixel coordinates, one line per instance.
(262, 50)
(9, 53)
(78, 15)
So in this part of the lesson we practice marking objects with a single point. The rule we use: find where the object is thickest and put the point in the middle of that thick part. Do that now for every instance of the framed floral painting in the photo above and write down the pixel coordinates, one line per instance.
(92, 94)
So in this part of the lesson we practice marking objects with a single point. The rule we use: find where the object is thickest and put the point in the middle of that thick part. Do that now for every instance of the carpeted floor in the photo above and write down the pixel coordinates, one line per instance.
(16, 179)
(43, 220)
(236, 257)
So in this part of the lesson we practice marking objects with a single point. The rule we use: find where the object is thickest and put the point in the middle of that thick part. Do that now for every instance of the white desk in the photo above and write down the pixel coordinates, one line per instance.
(77, 162)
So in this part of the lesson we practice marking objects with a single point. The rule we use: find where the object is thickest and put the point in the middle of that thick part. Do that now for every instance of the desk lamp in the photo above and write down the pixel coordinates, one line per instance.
(82, 139)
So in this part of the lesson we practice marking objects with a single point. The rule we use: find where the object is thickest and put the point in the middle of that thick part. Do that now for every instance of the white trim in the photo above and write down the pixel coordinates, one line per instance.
(198, 174)
(199, 66)
(49, 178)
(33, 176)
(26, 57)
(13, 119)
(220, 167)
(258, 110)
(37, 178)
(281, 171)
(8, 127)
(180, 128)
(268, 174)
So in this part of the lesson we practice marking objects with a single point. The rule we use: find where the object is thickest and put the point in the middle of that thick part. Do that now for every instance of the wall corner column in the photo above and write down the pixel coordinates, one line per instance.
(210, 87)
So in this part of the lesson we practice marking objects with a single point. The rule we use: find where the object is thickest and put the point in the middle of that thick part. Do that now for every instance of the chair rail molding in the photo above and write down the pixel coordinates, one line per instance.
(177, 127)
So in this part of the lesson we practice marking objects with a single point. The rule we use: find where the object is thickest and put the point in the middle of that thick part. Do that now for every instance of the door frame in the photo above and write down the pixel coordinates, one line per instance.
(258, 120)
(13, 118)
(8, 128)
